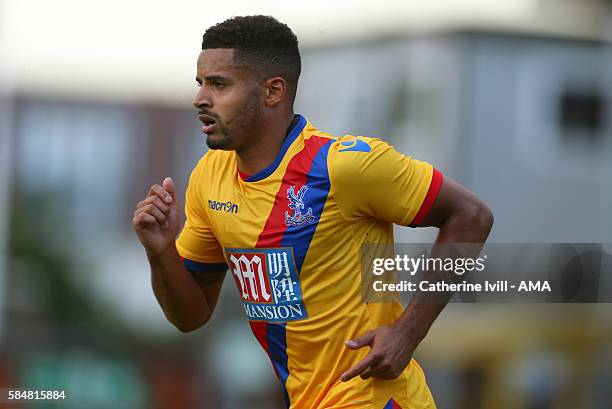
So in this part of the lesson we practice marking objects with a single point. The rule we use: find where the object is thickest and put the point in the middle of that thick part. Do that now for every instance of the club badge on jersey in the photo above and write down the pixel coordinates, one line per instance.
(296, 203)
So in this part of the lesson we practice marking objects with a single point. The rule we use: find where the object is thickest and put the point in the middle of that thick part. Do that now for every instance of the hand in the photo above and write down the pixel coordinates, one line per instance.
(391, 352)
(156, 219)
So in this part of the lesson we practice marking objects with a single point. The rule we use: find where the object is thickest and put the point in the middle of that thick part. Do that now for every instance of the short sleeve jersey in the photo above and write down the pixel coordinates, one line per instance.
(291, 236)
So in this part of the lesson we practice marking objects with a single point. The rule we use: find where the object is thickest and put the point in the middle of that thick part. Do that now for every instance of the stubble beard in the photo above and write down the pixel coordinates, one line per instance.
(242, 122)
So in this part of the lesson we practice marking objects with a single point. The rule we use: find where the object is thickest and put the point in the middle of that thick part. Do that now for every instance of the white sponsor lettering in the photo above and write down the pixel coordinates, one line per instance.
(273, 312)
(282, 284)
(247, 271)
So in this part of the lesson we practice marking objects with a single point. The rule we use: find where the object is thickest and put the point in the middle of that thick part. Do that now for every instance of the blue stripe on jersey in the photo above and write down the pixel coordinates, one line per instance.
(276, 334)
(198, 267)
(299, 237)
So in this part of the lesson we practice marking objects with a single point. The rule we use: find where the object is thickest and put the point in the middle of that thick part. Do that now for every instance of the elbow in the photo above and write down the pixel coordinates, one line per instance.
(186, 326)
(185, 329)
(475, 217)
(481, 218)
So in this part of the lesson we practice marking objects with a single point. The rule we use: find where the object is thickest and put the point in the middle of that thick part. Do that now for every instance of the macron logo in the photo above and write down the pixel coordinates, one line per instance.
(227, 207)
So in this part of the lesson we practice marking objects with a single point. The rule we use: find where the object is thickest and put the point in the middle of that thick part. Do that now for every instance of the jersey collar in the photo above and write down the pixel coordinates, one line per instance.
(291, 137)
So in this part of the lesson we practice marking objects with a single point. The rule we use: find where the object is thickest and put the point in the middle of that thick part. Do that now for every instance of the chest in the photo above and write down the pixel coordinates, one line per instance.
(280, 214)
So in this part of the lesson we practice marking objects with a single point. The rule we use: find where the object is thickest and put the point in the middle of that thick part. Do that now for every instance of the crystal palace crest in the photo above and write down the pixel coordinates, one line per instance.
(296, 203)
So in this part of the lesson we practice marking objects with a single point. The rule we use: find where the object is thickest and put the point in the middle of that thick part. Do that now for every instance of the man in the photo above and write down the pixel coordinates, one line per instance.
(287, 208)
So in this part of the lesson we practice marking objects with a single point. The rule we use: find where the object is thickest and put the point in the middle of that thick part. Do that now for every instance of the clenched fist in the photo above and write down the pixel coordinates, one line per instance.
(156, 219)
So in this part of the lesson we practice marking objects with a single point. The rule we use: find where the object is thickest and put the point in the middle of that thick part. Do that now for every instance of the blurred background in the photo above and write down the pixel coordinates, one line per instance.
(509, 97)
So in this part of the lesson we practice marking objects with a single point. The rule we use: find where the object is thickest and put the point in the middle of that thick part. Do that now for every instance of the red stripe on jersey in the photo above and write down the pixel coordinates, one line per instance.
(259, 330)
(392, 404)
(296, 175)
(243, 175)
(430, 197)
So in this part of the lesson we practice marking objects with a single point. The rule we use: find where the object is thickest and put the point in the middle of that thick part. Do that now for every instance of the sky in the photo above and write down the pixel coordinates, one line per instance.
(147, 49)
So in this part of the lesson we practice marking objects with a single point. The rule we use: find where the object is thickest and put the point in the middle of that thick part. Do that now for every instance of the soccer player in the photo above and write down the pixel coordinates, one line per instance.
(287, 208)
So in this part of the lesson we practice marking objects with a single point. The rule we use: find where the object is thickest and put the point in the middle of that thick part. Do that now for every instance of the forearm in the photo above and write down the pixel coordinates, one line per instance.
(424, 308)
(177, 291)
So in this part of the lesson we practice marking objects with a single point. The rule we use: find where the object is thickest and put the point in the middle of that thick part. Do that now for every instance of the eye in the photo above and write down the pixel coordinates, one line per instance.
(218, 84)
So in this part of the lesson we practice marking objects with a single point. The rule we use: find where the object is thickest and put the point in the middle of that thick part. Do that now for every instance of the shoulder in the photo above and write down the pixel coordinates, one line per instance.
(358, 146)
(352, 155)
(345, 149)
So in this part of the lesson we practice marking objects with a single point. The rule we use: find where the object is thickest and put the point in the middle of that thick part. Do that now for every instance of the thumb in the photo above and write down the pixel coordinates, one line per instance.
(168, 186)
(360, 342)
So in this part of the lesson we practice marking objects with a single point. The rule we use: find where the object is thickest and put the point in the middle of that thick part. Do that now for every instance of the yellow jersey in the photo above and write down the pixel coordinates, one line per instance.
(291, 236)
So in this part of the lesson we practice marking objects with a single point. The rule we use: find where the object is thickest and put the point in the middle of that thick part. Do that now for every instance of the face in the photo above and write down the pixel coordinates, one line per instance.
(229, 100)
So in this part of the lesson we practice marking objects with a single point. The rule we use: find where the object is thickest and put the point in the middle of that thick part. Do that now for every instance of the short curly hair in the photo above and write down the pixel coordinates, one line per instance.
(261, 42)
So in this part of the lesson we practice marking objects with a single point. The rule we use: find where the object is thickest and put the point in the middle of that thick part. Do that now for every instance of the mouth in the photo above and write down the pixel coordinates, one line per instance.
(210, 124)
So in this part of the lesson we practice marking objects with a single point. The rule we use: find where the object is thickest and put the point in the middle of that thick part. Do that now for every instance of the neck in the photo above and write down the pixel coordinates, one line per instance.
(259, 155)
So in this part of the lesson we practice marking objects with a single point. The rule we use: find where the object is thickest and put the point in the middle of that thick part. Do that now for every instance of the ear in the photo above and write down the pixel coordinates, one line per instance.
(276, 90)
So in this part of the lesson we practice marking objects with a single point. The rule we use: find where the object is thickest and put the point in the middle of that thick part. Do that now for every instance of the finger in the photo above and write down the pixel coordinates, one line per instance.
(143, 220)
(369, 371)
(168, 185)
(360, 342)
(156, 201)
(378, 371)
(147, 208)
(359, 367)
(161, 192)
(155, 212)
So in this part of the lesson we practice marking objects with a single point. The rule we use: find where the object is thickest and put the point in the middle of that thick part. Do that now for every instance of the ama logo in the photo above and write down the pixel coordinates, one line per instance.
(268, 283)
(296, 203)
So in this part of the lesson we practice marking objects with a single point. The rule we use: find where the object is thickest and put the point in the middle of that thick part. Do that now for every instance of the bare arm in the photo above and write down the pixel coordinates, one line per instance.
(461, 218)
(187, 299)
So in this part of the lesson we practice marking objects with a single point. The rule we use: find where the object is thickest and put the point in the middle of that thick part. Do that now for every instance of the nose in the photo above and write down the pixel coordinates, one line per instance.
(202, 98)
